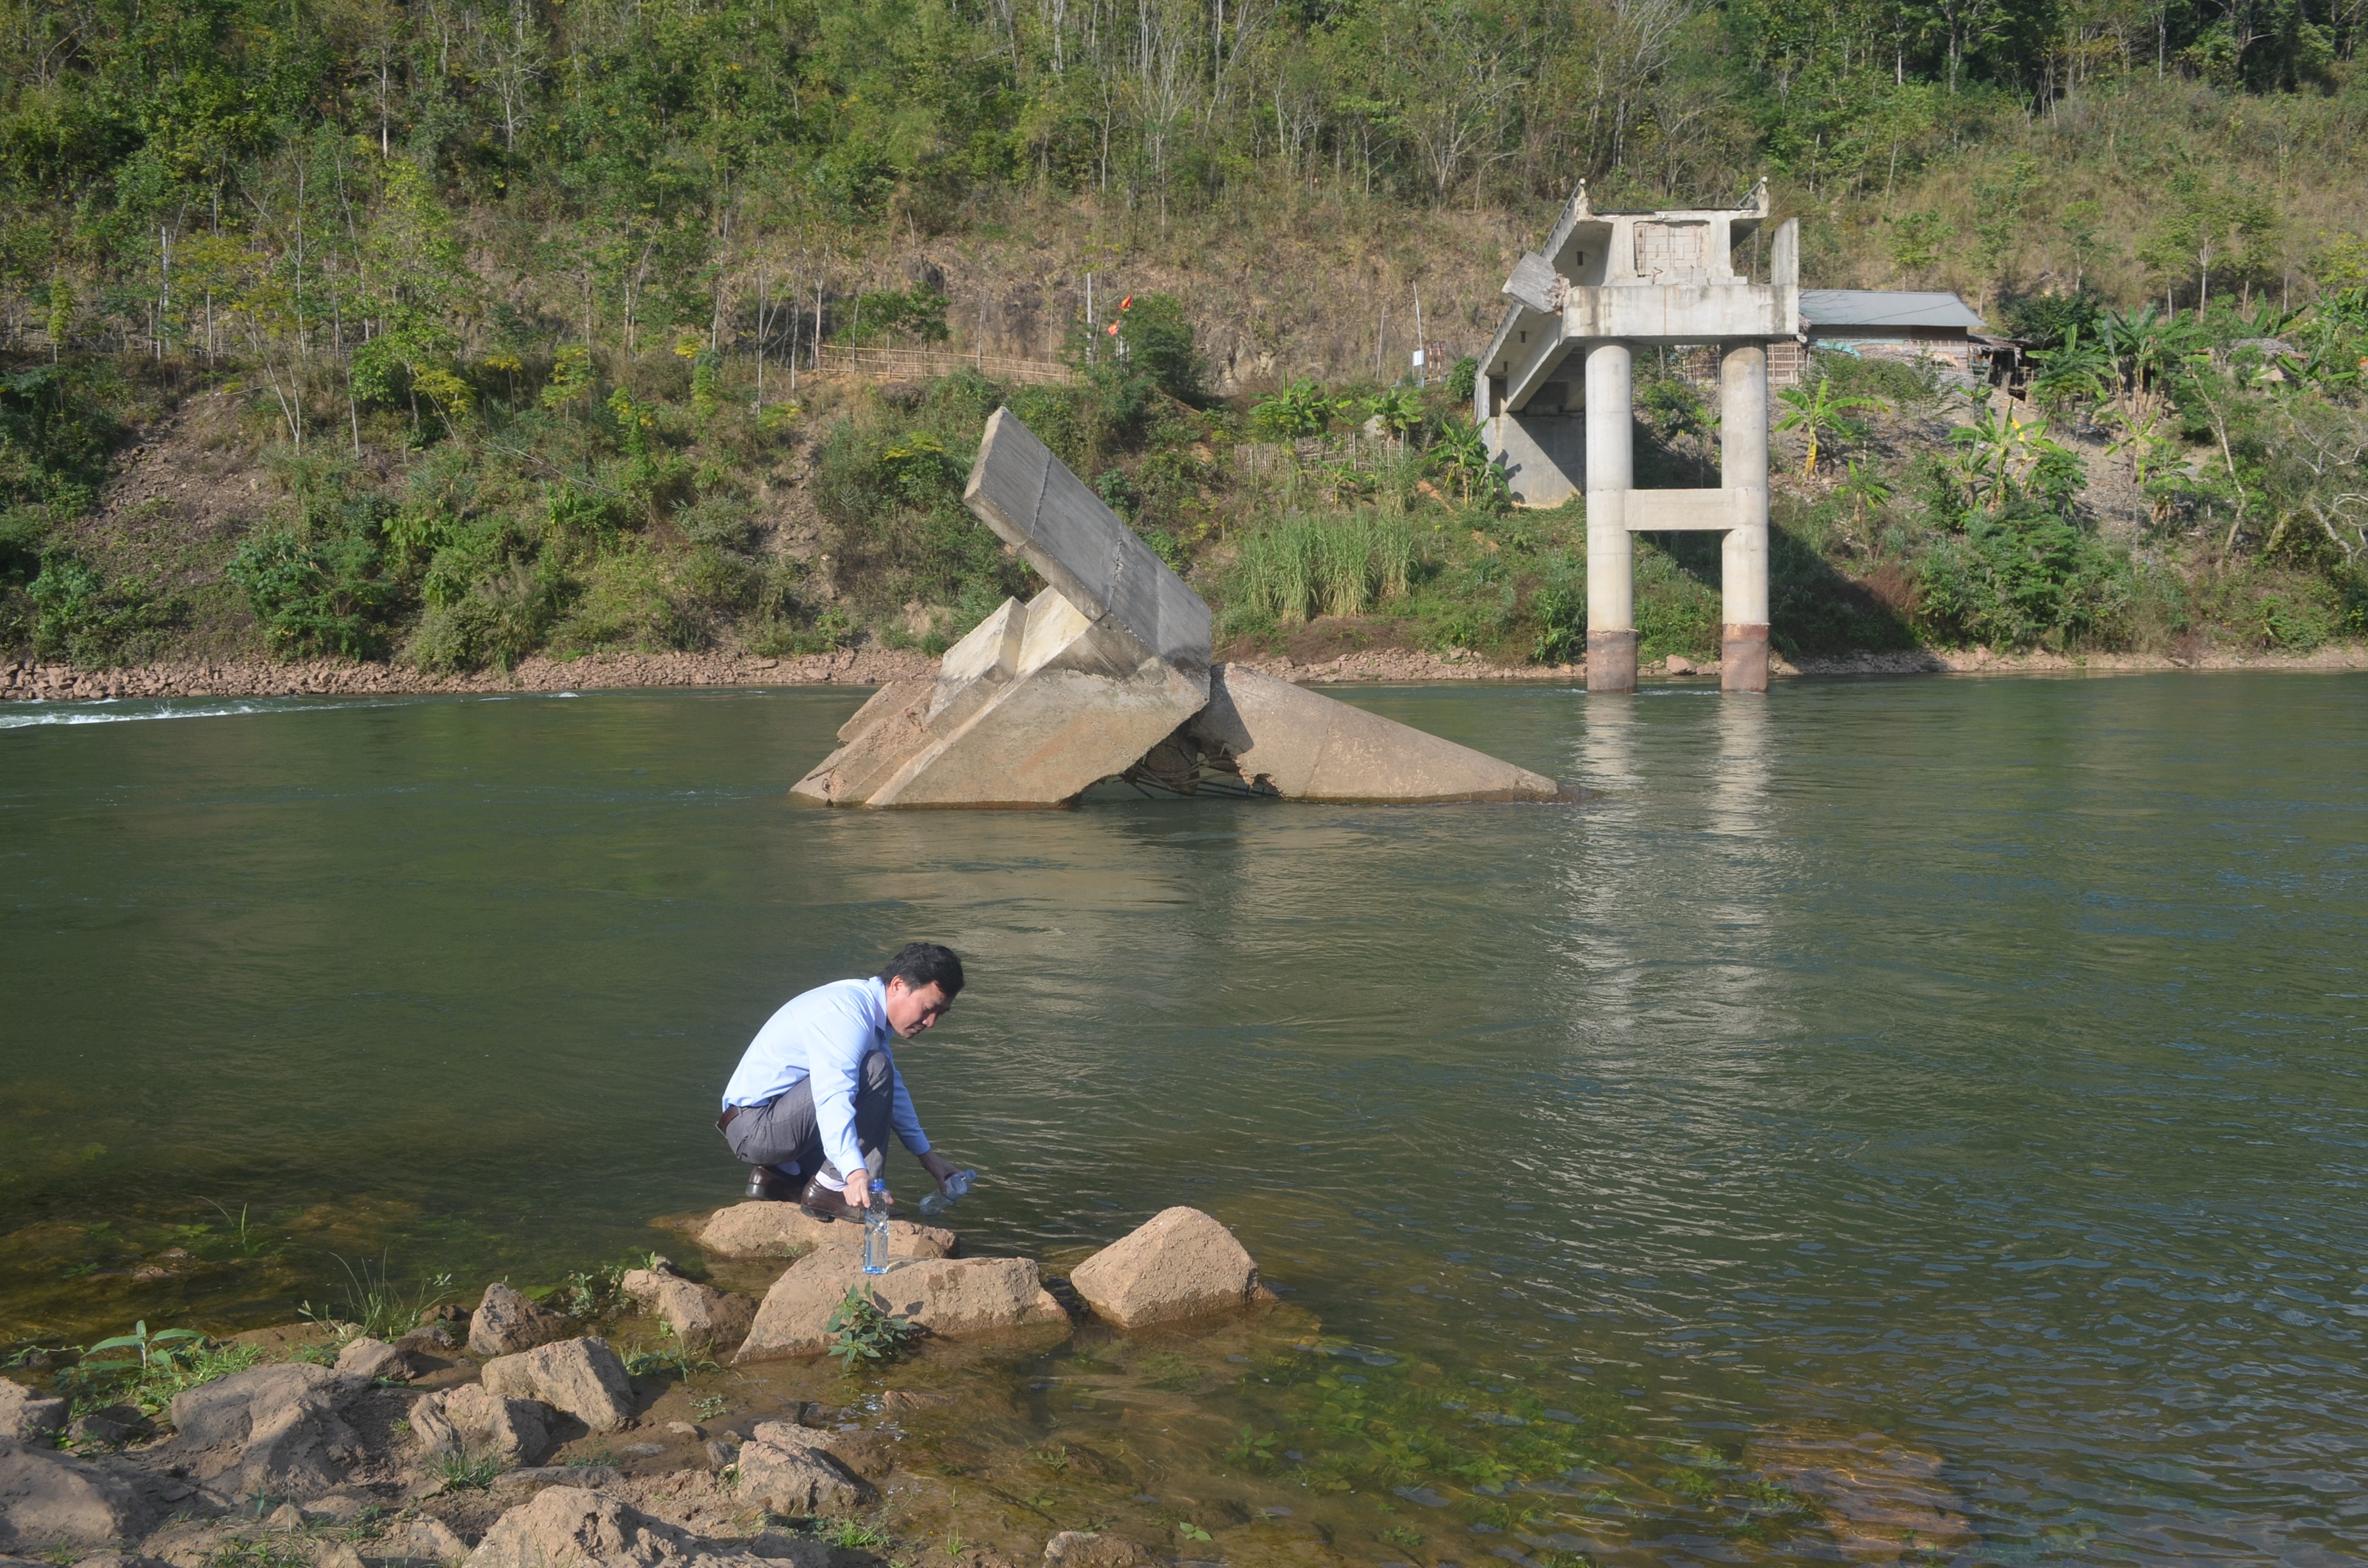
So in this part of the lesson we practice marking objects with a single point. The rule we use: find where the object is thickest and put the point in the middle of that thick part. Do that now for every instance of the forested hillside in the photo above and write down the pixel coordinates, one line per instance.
(473, 325)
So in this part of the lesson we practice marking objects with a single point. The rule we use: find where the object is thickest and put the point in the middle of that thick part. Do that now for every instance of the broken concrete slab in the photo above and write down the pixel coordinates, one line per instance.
(1036, 705)
(1106, 675)
(761, 1229)
(1307, 746)
(1061, 527)
(580, 1377)
(1180, 1263)
(952, 1297)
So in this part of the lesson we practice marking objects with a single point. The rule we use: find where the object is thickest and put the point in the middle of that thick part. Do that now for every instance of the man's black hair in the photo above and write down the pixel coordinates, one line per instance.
(920, 964)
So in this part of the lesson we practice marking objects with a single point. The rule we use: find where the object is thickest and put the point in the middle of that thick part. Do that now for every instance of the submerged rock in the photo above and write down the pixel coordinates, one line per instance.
(581, 1377)
(700, 1315)
(784, 1230)
(1178, 1263)
(505, 1322)
(948, 1296)
(792, 1477)
(279, 1430)
(1086, 1549)
(50, 1500)
(26, 1416)
(472, 1419)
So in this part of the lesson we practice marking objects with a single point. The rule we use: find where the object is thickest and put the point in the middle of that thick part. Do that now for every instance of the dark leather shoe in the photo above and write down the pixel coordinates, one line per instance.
(765, 1182)
(825, 1204)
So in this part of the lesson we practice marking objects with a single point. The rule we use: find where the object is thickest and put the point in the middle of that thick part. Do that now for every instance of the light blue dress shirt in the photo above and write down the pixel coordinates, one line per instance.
(824, 1034)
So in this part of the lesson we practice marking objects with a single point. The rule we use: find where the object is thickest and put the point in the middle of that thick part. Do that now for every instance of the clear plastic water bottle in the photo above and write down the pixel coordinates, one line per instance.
(875, 1230)
(957, 1186)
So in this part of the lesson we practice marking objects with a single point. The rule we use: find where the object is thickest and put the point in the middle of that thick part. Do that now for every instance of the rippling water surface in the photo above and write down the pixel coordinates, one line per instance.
(1969, 1071)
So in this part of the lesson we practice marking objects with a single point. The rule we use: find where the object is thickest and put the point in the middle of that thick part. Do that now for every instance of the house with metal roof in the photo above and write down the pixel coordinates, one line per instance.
(1887, 323)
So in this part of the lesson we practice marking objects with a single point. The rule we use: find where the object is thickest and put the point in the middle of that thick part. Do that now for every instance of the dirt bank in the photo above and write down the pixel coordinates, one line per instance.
(875, 667)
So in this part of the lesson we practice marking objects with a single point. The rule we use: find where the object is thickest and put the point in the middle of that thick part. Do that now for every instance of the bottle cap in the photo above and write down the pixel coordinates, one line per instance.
(879, 1185)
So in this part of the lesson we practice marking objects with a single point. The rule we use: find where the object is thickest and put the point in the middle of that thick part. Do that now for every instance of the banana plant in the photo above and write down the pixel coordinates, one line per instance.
(1867, 489)
(1461, 457)
(1300, 409)
(1397, 408)
(2076, 372)
(1822, 414)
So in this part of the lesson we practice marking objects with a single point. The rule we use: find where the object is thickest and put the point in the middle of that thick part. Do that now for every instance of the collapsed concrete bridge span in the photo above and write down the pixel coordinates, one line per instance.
(1107, 674)
(1555, 392)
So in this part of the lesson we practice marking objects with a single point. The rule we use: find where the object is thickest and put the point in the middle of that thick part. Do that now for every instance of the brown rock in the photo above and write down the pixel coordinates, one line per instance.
(948, 1296)
(784, 1230)
(423, 1540)
(374, 1360)
(471, 1419)
(26, 1416)
(507, 1323)
(1178, 1263)
(1083, 1549)
(780, 1469)
(698, 1314)
(115, 1424)
(50, 1500)
(582, 1377)
(277, 1430)
(566, 1526)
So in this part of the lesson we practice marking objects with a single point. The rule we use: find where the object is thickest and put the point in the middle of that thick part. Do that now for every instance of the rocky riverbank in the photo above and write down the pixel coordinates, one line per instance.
(986, 1417)
(871, 667)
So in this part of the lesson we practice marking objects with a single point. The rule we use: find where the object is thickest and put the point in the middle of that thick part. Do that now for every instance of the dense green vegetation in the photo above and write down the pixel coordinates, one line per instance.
(509, 295)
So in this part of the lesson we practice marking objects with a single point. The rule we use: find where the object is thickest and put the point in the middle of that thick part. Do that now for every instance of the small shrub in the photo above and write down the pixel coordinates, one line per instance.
(497, 621)
(861, 1332)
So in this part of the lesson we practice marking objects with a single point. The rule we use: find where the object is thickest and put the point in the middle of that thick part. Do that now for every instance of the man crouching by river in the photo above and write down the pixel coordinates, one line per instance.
(817, 1090)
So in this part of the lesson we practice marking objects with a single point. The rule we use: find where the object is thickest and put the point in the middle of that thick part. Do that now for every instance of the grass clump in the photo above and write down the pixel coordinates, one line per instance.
(468, 1471)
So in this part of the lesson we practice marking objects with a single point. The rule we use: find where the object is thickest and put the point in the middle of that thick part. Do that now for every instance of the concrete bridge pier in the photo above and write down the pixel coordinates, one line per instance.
(1610, 553)
(1743, 556)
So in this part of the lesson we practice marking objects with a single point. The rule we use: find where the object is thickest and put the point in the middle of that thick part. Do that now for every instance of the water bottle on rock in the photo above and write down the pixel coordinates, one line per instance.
(957, 1184)
(875, 1230)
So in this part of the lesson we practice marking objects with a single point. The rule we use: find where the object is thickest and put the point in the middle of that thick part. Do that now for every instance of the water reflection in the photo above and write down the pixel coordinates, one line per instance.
(1950, 1081)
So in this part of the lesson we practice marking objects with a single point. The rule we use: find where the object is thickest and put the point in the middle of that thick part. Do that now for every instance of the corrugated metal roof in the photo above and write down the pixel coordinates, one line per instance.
(1886, 307)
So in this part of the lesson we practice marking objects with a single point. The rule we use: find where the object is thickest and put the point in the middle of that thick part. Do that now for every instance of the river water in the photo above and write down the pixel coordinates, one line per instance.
(1948, 1087)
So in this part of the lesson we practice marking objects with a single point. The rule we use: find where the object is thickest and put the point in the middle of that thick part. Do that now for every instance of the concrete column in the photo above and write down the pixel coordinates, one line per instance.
(1610, 553)
(1743, 563)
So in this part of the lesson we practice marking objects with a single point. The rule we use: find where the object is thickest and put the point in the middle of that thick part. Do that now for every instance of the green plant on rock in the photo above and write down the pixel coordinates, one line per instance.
(165, 1363)
(858, 1535)
(861, 1333)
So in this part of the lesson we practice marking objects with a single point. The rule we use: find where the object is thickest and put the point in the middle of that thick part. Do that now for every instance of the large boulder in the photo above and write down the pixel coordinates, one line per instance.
(50, 1500)
(783, 1230)
(700, 1315)
(278, 1430)
(792, 1477)
(26, 1416)
(507, 1323)
(581, 1377)
(474, 1420)
(1178, 1263)
(950, 1296)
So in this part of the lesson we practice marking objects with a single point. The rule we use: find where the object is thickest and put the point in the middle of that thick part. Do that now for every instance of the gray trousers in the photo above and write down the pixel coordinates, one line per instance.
(783, 1133)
